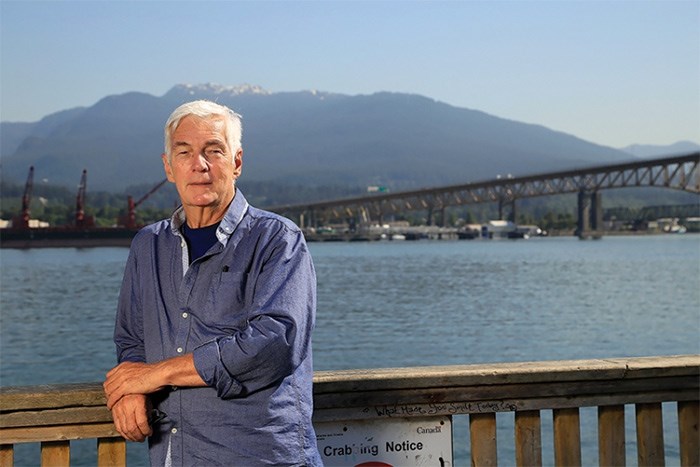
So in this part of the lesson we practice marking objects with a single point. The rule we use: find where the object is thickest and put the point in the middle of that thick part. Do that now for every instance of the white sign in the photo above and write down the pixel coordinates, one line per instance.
(386, 443)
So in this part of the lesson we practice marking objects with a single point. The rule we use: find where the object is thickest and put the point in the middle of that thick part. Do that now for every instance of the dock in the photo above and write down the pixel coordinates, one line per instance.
(53, 415)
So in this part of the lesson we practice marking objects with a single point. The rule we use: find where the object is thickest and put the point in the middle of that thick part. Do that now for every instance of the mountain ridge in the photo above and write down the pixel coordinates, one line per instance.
(654, 150)
(397, 140)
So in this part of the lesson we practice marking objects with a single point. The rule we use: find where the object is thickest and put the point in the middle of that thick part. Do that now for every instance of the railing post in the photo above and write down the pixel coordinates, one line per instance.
(611, 435)
(567, 437)
(650, 434)
(55, 453)
(482, 432)
(528, 438)
(111, 452)
(7, 455)
(688, 435)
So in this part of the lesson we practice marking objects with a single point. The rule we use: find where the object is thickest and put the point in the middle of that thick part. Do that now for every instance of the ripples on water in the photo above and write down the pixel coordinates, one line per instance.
(393, 304)
(403, 304)
(58, 310)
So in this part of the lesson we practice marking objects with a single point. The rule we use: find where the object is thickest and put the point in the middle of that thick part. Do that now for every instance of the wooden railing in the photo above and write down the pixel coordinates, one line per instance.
(54, 415)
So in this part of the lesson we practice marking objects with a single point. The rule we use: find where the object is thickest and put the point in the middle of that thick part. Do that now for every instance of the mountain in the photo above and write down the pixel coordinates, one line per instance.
(649, 150)
(306, 138)
(14, 133)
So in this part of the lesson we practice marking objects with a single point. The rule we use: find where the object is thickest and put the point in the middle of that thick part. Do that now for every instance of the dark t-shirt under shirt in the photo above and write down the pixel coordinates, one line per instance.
(199, 240)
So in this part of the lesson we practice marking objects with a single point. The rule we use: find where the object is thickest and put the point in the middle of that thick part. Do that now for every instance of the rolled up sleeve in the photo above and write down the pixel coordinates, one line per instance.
(276, 338)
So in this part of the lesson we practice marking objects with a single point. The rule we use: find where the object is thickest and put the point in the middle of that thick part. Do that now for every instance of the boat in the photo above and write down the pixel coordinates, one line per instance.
(65, 237)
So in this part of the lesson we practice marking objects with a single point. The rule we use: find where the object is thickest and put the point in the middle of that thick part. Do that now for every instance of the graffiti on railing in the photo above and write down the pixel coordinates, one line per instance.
(448, 408)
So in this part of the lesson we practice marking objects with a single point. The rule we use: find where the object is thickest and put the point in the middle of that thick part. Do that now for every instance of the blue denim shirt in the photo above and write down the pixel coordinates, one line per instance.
(245, 310)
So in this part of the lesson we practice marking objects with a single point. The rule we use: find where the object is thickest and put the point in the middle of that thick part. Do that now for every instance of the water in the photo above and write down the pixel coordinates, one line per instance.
(405, 303)
(391, 304)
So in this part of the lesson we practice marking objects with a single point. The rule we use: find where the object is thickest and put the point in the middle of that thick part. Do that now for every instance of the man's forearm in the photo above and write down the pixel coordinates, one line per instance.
(178, 371)
(146, 378)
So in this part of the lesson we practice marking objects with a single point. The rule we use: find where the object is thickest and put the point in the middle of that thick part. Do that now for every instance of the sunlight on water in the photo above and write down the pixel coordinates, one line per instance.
(402, 303)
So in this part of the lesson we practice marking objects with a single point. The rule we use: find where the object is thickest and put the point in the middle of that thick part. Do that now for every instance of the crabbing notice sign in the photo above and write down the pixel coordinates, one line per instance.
(386, 443)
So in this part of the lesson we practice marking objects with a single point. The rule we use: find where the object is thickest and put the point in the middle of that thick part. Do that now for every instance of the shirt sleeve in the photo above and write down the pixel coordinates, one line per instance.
(128, 329)
(277, 337)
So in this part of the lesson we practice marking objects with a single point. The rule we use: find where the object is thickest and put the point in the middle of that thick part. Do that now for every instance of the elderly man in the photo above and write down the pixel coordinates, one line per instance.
(215, 313)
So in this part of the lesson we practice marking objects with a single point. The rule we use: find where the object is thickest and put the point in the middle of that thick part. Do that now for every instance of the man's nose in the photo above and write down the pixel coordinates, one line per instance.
(200, 163)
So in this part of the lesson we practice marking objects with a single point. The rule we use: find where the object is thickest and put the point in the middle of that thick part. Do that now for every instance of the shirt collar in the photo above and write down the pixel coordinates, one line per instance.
(234, 215)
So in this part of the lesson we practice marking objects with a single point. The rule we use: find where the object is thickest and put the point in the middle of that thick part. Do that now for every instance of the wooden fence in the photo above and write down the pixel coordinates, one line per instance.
(53, 415)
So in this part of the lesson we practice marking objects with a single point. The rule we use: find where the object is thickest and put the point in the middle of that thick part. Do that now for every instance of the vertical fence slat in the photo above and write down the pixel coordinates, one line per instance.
(650, 434)
(688, 435)
(528, 438)
(567, 437)
(55, 453)
(482, 433)
(7, 455)
(611, 435)
(111, 452)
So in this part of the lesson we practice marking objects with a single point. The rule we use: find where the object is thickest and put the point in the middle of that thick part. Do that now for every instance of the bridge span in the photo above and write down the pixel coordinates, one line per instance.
(674, 172)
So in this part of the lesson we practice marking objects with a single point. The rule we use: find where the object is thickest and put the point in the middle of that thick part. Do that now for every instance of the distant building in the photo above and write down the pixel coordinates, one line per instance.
(33, 224)
(692, 224)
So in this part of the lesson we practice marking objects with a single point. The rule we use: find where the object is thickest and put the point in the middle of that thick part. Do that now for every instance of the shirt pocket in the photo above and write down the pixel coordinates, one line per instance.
(227, 299)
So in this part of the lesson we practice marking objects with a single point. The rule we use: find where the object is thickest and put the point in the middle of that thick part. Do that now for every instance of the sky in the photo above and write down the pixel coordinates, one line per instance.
(614, 73)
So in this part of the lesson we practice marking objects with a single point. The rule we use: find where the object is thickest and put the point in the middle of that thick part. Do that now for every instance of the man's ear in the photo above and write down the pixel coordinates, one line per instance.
(238, 163)
(167, 168)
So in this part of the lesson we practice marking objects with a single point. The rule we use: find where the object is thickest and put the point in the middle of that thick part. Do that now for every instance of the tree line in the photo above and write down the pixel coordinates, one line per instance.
(57, 204)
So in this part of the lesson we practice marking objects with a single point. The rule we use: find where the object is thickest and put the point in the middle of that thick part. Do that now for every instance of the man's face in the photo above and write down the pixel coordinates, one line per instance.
(201, 165)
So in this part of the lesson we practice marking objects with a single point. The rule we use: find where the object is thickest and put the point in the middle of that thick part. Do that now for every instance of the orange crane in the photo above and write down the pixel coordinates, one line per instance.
(81, 220)
(22, 221)
(129, 221)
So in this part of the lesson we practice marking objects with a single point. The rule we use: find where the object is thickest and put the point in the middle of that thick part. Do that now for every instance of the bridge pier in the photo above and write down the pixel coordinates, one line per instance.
(436, 217)
(590, 214)
(512, 214)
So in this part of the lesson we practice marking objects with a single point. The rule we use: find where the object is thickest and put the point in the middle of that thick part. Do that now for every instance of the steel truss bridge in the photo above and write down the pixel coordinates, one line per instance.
(676, 172)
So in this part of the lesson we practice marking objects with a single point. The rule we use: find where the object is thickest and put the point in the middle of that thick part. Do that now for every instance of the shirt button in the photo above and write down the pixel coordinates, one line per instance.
(173, 431)
(185, 315)
(179, 350)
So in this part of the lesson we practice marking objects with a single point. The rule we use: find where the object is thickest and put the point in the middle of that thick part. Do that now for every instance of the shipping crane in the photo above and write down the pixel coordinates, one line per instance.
(81, 220)
(129, 221)
(22, 221)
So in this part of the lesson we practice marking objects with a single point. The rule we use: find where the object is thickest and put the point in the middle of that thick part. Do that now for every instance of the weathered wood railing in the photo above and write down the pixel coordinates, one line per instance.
(54, 415)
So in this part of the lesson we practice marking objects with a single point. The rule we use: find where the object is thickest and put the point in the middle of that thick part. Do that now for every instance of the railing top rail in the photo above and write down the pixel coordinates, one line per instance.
(78, 411)
(613, 369)
(508, 373)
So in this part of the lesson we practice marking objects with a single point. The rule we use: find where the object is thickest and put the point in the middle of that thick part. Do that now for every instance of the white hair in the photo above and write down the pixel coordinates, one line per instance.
(206, 109)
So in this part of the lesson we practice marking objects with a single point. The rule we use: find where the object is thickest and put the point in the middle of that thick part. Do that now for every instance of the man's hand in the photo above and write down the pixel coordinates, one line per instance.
(130, 415)
(130, 378)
